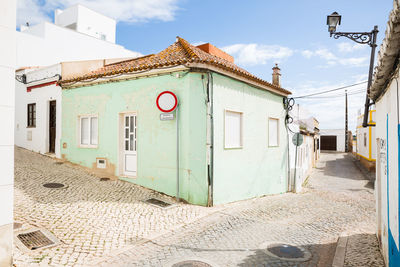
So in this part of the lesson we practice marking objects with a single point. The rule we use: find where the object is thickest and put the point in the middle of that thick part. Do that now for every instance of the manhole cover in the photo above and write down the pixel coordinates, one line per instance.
(288, 252)
(34, 240)
(104, 179)
(158, 202)
(54, 185)
(191, 263)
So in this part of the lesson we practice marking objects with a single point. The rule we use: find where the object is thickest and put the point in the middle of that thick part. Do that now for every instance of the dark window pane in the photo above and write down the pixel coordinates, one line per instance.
(131, 125)
(126, 145)
(126, 121)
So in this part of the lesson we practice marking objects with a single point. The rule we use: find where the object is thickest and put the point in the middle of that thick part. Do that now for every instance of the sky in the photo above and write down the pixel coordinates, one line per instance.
(258, 34)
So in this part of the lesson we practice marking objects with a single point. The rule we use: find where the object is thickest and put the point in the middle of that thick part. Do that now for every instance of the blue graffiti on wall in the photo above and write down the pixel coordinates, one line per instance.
(394, 253)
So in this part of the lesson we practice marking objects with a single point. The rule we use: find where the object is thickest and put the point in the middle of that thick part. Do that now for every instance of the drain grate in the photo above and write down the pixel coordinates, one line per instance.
(34, 240)
(191, 263)
(288, 252)
(53, 185)
(158, 202)
(104, 179)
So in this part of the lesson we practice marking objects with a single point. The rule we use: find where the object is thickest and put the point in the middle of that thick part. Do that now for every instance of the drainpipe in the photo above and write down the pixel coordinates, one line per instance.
(371, 70)
(210, 100)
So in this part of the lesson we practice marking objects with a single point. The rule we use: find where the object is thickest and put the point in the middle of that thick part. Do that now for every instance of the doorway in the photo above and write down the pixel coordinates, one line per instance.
(52, 126)
(129, 146)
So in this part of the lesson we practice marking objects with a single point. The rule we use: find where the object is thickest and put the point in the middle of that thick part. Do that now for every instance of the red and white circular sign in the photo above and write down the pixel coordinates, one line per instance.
(167, 101)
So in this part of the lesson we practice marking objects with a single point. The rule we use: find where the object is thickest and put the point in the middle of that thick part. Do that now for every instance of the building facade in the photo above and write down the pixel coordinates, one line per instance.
(77, 34)
(232, 138)
(385, 93)
(366, 144)
(303, 158)
(7, 69)
(40, 49)
(333, 140)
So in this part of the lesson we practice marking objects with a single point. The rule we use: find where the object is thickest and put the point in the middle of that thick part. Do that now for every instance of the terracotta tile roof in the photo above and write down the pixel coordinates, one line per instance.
(179, 53)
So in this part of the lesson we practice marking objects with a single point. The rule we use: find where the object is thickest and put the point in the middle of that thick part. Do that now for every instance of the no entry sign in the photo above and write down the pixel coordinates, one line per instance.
(167, 101)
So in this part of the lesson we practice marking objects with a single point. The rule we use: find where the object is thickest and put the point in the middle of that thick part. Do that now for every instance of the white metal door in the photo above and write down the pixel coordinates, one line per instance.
(129, 145)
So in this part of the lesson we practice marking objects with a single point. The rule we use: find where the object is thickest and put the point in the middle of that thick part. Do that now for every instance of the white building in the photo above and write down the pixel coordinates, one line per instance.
(87, 21)
(333, 140)
(308, 152)
(385, 92)
(366, 144)
(7, 68)
(79, 34)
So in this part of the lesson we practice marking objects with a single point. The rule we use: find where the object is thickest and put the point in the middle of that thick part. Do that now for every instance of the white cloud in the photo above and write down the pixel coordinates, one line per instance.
(122, 10)
(30, 11)
(348, 47)
(256, 54)
(307, 53)
(332, 59)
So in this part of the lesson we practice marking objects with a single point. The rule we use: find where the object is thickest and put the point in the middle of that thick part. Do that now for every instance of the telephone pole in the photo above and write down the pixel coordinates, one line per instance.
(346, 125)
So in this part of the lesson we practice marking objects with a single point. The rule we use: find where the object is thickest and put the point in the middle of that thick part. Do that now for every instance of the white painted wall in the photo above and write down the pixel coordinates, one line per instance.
(47, 44)
(38, 140)
(7, 68)
(387, 162)
(363, 147)
(87, 21)
(305, 154)
(340, 140)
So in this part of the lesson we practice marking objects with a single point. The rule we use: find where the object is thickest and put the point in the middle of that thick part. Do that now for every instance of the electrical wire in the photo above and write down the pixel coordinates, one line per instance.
(338, 95)
(331, 90)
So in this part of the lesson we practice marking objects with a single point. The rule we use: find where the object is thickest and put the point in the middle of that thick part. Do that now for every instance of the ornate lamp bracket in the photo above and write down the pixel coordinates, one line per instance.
(358, 37)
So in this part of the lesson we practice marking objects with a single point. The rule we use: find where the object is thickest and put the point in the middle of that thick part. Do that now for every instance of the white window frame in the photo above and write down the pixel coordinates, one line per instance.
(241, 129)
(89, 117)
(277, 134)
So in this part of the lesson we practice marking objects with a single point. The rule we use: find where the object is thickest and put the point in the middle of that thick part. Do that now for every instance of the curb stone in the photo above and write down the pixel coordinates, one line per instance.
(338, 260)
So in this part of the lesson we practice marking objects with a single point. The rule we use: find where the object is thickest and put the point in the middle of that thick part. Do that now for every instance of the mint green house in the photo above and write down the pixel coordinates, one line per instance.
(232, 136)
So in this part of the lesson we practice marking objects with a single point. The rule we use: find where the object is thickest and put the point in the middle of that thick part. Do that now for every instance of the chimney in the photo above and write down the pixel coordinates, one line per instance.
(276, 73)
(215, 51)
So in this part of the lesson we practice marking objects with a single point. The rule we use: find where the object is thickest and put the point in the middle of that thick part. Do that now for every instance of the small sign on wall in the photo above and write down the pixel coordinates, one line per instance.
(167, 116)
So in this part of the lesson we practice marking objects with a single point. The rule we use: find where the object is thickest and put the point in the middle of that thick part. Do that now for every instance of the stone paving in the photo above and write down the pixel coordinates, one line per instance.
(238, 235)
(107, 224)
(91, 217)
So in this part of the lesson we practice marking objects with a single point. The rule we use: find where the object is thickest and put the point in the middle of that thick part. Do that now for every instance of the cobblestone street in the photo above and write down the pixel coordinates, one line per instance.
(106, 223)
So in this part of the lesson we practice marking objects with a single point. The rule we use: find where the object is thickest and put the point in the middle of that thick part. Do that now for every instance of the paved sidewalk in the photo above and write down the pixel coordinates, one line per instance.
(92, 218)
(338, 199)
(107, 223)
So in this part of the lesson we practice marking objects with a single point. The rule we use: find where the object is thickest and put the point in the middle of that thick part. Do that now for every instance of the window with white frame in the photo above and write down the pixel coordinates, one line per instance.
(88, 131)
(233, 129)
(273, 132)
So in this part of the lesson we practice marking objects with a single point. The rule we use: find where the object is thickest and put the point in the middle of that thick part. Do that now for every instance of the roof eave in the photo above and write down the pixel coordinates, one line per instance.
(278, 91)
(388, 55)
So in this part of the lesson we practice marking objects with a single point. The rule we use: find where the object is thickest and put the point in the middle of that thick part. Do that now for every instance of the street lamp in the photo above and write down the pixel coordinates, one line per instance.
(362, 38)
(333, 20)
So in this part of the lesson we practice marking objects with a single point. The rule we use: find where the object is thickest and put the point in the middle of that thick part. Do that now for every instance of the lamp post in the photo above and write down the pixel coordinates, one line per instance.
(369, 38)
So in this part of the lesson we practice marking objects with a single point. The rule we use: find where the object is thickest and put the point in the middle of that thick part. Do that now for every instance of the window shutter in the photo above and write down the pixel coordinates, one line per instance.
(85, 131)
(233, 129)
(273, 132)
(93, 131)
